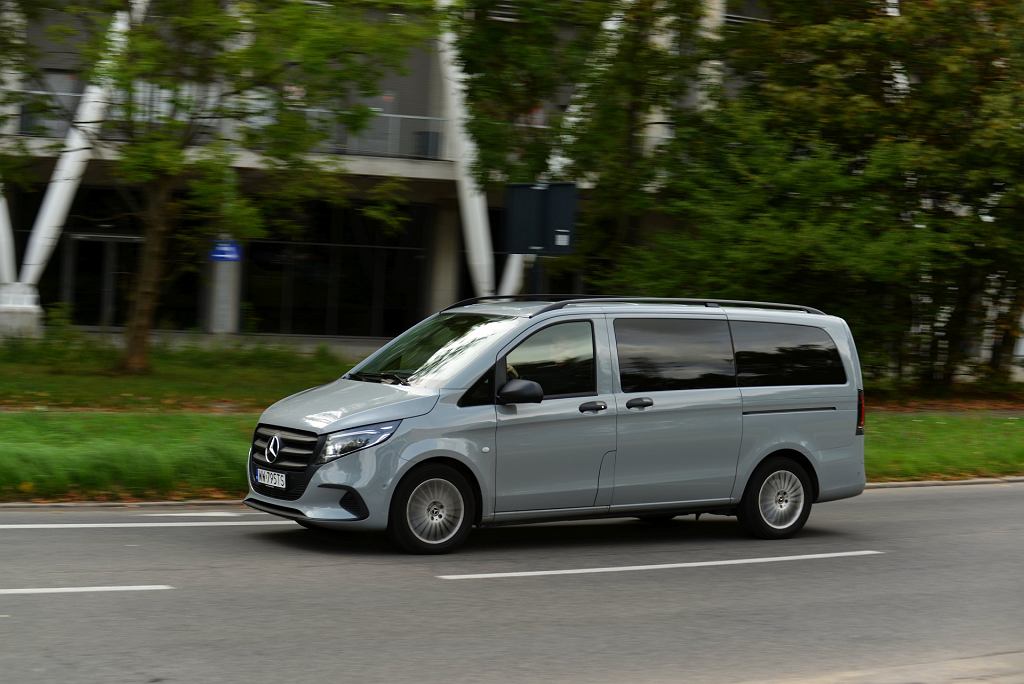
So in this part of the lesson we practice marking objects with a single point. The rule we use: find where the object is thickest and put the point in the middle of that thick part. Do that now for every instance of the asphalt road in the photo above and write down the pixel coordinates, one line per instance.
(253, 603)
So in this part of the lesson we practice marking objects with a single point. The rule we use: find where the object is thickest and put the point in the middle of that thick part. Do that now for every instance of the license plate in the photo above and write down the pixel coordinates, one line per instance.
(271, 479)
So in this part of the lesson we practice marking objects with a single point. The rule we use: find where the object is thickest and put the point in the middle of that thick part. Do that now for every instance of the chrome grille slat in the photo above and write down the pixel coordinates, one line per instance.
(295, 459)
(290, 435)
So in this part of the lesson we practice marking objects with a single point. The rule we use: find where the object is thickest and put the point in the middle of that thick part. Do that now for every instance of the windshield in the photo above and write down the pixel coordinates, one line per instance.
(434, 351)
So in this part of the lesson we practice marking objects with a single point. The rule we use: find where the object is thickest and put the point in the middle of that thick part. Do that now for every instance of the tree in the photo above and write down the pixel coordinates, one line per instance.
(202, 84)
(605, 73)
(923, 102)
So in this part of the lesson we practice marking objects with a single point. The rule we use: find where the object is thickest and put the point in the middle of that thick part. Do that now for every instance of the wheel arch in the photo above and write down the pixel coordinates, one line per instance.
(453, 463)
(794, 455)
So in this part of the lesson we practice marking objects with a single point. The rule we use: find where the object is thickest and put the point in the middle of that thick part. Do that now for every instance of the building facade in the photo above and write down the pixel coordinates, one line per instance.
(66, 238)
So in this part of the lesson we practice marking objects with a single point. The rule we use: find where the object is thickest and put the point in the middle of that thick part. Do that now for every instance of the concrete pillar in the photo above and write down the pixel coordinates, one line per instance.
(225, 297)
(8, 264)
(73, 159)
(10, 80)
(443, 259)
(20, 313)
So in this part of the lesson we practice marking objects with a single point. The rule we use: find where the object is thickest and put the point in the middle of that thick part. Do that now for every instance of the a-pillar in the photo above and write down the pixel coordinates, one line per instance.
(444, 259)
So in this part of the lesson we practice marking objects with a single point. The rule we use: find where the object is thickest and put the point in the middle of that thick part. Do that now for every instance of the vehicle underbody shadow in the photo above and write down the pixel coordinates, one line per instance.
(603, 533)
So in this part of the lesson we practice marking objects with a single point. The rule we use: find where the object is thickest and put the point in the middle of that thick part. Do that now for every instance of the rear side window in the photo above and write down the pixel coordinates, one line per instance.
(771, 354)
(660, 354)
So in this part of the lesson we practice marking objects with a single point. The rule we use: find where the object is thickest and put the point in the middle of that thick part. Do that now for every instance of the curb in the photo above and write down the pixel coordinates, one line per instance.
(238, 502)
(120, 504)
(944, 483)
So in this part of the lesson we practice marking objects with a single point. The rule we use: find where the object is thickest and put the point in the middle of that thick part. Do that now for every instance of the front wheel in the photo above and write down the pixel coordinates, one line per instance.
(777, 501)
(432, 510)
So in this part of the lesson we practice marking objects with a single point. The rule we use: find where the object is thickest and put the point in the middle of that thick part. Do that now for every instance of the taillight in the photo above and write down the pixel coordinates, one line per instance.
(860, 412)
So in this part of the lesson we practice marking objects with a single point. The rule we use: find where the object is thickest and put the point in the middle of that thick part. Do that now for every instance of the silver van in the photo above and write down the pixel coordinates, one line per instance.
(513, 409)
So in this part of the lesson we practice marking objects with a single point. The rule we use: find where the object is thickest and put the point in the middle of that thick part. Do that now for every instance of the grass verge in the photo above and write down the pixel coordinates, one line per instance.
(944, 445)
(60, 455)
(79, 376)
(122, 456)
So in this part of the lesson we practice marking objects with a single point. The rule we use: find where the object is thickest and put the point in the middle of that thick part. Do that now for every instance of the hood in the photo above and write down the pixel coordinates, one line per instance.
(349, 403)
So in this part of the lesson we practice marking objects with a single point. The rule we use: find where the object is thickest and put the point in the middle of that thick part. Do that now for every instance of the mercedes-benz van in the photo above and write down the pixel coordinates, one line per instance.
(505, 410)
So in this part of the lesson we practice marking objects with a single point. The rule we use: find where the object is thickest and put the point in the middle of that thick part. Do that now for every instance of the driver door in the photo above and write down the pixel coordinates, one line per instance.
(549, 454)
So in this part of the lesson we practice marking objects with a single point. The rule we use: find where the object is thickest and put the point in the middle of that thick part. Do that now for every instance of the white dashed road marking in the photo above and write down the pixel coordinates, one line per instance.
(664, 566)
(202, 514)
(76, 526)
(85, 590)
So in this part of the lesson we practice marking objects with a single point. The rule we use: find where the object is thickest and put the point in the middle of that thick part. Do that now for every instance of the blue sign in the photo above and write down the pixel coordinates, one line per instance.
(226, 250)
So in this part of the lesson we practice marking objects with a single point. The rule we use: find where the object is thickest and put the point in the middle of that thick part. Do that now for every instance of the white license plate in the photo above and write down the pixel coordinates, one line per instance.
(269, 478)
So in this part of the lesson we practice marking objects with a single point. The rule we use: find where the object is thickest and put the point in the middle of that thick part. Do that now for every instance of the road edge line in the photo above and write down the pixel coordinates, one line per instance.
(1011, 479)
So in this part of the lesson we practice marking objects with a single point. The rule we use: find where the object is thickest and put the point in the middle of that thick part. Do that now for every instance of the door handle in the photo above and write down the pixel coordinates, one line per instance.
(639, 402)
(594, 406)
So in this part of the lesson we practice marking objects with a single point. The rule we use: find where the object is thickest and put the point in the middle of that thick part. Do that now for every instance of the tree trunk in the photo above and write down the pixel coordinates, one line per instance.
(147, 282)
(958, 328)
(1007, 334)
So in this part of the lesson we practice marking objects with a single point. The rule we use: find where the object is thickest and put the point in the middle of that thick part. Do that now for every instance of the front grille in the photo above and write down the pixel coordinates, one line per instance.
(295, 459)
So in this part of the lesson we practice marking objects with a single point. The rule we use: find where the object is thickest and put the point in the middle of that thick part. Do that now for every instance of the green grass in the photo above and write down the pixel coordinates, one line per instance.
(78, 373)
(102, 456)
(944, 445)
(57, 455)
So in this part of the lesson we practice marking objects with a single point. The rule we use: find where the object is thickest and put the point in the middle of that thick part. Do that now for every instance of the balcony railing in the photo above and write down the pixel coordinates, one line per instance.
(385, 135)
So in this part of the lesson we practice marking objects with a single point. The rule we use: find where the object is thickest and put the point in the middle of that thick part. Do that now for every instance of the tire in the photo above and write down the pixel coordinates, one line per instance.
(432, 510)
(777, 500)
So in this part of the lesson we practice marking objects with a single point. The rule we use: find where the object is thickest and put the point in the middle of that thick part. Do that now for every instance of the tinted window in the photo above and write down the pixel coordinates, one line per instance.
(783, 354)
(658, 354)
(559, 357)
(481, 393)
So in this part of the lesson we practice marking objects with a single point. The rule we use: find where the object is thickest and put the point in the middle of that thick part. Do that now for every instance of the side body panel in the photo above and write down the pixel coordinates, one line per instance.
(683, 448)
(550, 455)
(818, 421)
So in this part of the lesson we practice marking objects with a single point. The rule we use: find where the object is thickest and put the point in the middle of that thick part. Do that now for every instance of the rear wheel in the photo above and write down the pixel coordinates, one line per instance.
(432, 511)
(777, 501)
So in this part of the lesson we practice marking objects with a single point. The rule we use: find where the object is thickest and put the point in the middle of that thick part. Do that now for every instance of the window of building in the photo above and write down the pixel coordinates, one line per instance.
(560, 358)
(770, 354)
(662, 354)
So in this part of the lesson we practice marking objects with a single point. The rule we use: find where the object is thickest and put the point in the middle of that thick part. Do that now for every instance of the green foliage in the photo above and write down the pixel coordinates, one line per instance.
(201, 89)
(115, 456)
(922, 115)
(516, 68)
(71, 370)
(838, 156)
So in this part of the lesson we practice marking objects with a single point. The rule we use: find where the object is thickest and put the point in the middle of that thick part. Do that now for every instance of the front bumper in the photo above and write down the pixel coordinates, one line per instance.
(351, 492)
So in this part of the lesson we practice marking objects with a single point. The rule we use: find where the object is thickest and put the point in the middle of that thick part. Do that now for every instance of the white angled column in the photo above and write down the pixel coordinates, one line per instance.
(10, 81)
(476, 229)
(7, 262)
(67, 175)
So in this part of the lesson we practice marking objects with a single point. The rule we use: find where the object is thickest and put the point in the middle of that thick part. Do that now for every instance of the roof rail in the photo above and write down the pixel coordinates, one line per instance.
(681, 300)
(562, 301)
(513, 298)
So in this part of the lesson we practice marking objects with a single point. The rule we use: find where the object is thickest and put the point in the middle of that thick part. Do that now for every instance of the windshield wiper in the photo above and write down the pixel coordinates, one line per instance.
(385, 377)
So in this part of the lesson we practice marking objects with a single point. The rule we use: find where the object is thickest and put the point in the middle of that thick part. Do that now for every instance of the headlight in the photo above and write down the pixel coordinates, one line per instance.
(340, 443)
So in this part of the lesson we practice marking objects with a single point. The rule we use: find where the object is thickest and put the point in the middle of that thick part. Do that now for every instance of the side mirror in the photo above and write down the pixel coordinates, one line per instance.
(520, 392)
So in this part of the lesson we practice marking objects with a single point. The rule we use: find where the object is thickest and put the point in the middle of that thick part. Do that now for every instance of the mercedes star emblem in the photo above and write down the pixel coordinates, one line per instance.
(273, 449)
